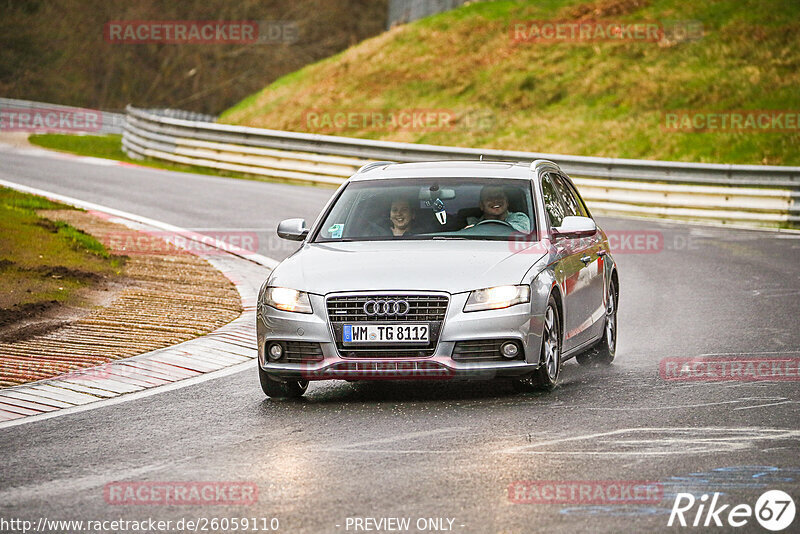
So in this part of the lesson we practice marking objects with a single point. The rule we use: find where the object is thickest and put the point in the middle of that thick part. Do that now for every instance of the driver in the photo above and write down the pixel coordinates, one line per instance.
(494, 204)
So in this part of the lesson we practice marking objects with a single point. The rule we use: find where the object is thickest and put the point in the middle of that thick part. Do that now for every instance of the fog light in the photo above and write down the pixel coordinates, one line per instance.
(275, 351)
(509, 350)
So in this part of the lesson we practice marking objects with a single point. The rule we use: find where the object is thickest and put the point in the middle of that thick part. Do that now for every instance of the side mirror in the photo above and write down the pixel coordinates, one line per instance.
(572, 227)
(293, 229)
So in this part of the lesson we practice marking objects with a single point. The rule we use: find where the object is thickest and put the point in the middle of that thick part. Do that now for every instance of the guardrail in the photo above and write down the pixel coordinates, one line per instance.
(108, 123)
(744, 194)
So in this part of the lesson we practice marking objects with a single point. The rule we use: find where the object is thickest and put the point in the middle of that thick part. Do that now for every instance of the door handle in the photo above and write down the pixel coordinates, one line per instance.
(586, 260)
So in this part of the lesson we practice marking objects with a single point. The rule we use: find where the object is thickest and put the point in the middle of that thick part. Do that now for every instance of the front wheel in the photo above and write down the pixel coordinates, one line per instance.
(546, 376)
(605, 351)
(280, 389)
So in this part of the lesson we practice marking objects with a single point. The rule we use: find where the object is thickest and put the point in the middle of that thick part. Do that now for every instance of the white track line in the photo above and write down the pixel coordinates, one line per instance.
(132, 396)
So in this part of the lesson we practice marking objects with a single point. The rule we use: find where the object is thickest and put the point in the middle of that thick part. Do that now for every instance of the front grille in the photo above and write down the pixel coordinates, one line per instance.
(384, 352)
(422, 308)
(429, 309)
(479, 350)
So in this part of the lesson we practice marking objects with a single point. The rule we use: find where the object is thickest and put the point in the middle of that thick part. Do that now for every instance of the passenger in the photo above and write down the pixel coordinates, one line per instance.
(494, 204)
(401, 215)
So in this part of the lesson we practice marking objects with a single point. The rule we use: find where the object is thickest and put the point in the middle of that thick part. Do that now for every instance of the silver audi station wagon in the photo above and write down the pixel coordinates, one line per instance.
(440, 270)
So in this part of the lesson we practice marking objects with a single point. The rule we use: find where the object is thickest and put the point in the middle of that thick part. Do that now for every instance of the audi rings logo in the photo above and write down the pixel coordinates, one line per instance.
(386, 307)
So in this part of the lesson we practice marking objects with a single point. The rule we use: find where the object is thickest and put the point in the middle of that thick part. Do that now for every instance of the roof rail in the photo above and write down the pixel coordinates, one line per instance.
(543, 163)
(373, 164)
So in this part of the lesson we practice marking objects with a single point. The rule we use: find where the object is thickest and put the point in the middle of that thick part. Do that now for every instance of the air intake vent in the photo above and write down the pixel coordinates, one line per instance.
(302, 351)
(478, 350)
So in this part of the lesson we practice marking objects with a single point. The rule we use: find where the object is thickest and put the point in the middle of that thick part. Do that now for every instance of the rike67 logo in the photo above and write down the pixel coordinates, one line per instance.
(774, 510)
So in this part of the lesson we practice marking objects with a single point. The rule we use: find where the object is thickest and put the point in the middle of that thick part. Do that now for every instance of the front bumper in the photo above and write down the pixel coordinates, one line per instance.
(515, 322)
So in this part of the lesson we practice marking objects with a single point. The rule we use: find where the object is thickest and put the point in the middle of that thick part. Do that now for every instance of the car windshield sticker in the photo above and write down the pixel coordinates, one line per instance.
(336, 231)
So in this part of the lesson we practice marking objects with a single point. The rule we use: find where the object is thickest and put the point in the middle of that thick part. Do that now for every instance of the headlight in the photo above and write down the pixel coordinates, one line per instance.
(287, 299)
(494, 298)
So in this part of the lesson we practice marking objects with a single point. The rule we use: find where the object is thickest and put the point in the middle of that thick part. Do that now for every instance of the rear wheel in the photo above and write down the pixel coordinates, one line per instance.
(281, 389)
(546, 376)
(603, 353)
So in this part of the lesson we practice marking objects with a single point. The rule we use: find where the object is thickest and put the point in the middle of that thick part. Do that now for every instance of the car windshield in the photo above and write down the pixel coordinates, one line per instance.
(430, 208)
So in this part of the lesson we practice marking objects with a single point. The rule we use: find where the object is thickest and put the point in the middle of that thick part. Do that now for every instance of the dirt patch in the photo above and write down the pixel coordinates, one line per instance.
(65, 272)
(20, 321)
(26, 311)
(36, 319)
(48, 225)
(607, 8)
(159, 300)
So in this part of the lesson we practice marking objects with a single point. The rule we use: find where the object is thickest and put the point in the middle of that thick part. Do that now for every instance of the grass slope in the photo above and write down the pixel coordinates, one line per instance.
(43, 262)
(600, 99)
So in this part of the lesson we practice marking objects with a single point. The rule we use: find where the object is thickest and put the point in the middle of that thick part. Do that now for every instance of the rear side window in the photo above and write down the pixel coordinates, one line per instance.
(552, 203)
(572, 205)
(580, 200)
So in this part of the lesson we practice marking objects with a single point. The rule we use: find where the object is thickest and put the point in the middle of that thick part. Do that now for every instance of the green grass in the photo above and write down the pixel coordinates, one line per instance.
(594, 99)
(110, 147)
(82, 241)
(99, 146)
(44, 261)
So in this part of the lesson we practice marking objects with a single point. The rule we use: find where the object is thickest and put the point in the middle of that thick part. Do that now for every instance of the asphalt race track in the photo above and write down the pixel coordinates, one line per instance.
(447, 450)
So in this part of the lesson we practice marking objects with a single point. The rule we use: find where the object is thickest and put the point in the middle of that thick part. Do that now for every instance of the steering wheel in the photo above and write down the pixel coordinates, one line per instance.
(496, 221)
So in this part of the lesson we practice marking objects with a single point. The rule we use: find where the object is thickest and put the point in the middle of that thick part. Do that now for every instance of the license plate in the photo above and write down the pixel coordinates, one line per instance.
(385, 333)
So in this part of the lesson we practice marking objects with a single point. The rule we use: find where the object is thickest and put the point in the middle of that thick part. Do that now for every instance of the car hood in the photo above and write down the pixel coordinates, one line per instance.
(452, 266)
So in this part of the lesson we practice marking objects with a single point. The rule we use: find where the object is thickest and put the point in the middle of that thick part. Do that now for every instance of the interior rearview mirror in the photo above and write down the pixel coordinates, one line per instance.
(442, 194)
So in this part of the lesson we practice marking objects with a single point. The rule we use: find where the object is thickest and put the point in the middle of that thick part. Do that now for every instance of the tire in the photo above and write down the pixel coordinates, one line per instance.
(546, 376)
(604, 352)
(279, 389)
